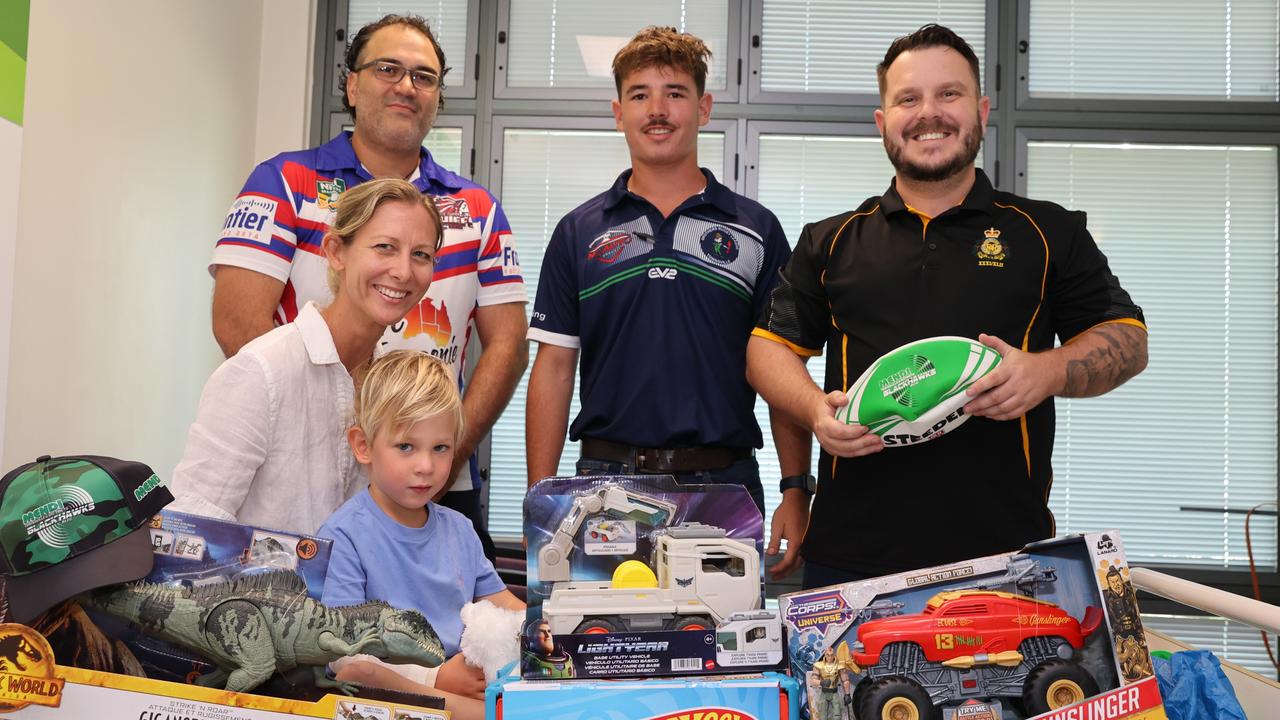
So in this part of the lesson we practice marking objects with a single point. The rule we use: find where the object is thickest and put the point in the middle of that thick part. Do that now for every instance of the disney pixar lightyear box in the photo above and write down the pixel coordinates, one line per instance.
(637, 576)
(1051, 631)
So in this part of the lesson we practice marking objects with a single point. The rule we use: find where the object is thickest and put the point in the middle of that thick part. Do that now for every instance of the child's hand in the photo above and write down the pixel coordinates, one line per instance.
(456, 676)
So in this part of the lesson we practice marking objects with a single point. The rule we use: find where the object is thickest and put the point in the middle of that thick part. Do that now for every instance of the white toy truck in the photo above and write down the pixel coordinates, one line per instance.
(699, 576)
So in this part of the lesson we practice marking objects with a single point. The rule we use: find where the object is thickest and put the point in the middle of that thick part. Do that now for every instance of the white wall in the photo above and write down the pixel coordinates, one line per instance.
(142, 122)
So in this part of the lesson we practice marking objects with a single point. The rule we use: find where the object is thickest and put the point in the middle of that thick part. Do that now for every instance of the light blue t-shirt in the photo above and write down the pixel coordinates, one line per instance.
(435, 569)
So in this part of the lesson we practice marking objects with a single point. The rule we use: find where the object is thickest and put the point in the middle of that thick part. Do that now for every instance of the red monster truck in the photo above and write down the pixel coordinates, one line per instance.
(971, 644)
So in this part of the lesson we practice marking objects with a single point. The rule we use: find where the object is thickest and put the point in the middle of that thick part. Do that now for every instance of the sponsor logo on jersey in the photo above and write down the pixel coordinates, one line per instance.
(455, 213)
(719, 245)
(251, 218)
(434, 323)
(990, 250)
(327, 192)
(510, 262)
(663, 273)
(607, 247)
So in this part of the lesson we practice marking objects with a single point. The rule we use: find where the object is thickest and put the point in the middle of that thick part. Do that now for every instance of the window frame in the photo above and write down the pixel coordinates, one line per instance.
(457, 85)
(1127, 104)
(502, 91)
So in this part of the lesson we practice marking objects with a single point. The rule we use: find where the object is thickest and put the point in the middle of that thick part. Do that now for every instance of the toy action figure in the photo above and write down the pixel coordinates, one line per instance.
(542, 657)
(832, 680)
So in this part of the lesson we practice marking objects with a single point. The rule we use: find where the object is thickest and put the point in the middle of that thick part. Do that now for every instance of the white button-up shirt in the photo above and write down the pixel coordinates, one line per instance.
(269, 443)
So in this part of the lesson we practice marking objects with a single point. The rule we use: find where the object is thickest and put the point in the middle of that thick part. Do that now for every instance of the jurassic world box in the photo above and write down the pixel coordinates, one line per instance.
(1051, 631)
(638, 576)
(201, 556)
(36, 687)
(759, 697)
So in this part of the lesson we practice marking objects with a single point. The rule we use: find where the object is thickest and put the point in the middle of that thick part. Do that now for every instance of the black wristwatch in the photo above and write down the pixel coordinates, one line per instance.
(808, 482)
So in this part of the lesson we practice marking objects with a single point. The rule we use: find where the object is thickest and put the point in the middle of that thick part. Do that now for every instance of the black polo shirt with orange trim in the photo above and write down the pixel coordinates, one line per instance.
(862, 283)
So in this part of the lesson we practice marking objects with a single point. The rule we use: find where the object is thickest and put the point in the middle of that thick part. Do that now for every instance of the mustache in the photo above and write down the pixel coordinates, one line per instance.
(658, 124)
(927, 127)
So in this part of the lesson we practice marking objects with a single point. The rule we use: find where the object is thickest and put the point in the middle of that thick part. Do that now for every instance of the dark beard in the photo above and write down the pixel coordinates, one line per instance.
(916, 173)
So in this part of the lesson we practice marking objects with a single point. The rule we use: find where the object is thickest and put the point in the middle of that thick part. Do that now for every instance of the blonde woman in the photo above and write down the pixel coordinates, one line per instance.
(269, 443)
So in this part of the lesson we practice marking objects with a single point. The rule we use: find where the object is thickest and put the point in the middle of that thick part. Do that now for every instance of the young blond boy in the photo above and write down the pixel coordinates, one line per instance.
(390, 542)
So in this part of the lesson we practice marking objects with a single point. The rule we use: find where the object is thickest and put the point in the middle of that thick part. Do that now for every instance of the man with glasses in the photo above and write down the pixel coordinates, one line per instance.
(941, 252)
(268, 262)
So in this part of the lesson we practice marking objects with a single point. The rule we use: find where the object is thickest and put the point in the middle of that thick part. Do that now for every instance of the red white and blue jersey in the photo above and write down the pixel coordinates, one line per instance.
(277, 223)
(662, 309)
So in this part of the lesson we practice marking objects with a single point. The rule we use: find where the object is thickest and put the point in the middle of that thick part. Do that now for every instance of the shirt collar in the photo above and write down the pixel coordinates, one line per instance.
(338, 154)
(979, 197)
(316, 337)
(714, 194)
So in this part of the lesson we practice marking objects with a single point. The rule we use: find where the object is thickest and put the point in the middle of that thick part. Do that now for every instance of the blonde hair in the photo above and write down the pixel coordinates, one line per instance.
(357, 205)
(657, 46)
(403, 387)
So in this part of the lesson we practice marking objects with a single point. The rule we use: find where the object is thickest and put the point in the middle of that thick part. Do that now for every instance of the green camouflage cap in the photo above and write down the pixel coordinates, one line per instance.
(56, 510)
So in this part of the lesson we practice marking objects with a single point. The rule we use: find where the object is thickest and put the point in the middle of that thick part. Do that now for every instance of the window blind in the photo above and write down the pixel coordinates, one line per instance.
(446, 18)
(571, 43)
(1206, 50)
(833, 46)
(1191, 232)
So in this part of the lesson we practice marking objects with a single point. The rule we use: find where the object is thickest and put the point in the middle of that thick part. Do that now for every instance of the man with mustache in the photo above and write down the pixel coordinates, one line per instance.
(268, 261)
(939, 253)
(657, 282)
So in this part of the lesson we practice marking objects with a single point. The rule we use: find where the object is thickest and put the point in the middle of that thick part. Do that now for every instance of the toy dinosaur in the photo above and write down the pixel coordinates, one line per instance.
(253, 626)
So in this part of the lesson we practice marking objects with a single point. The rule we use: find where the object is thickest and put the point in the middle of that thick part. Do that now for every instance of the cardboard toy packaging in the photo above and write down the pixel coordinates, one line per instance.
(41, 688)
(761, 697)
(1051, 631)
(637, 576)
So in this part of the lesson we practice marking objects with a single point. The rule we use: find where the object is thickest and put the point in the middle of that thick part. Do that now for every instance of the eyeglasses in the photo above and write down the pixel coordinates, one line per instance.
(392, 73)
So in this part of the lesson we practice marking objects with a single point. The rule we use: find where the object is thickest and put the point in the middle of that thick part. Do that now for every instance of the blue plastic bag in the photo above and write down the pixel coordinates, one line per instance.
(1195, 688)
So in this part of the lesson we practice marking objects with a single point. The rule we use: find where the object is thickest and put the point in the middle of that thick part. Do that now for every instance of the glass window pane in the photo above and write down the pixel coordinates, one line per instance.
(1208, 50)
(446, 18)
(1191, 232)
(833, 46)
(571, 43)
(545, 174)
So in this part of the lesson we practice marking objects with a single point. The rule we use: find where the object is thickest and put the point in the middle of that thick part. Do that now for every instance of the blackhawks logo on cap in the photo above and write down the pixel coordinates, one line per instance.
(58, 505)
(26, 669)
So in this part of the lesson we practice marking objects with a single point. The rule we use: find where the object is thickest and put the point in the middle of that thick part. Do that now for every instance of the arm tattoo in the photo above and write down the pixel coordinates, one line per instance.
(1117, 353)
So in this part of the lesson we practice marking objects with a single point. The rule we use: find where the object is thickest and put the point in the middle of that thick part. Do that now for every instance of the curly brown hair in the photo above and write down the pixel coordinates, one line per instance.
(657, 46)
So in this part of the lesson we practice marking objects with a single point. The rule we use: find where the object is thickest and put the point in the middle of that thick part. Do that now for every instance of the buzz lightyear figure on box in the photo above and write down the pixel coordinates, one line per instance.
(541, 656)
(832, 679)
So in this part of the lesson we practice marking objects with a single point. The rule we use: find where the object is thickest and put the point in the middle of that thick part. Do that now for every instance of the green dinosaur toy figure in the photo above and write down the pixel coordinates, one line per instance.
(251, 627)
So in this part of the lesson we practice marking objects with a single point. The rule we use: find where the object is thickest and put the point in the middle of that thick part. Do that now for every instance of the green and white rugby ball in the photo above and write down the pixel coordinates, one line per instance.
(916, 393)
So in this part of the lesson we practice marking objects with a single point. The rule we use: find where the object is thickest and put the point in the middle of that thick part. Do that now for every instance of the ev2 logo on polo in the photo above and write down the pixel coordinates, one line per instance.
(251, 218)
(664, 273)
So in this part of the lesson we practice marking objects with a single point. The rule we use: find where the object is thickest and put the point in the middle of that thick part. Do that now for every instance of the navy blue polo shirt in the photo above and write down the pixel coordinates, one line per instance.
(661, 310)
